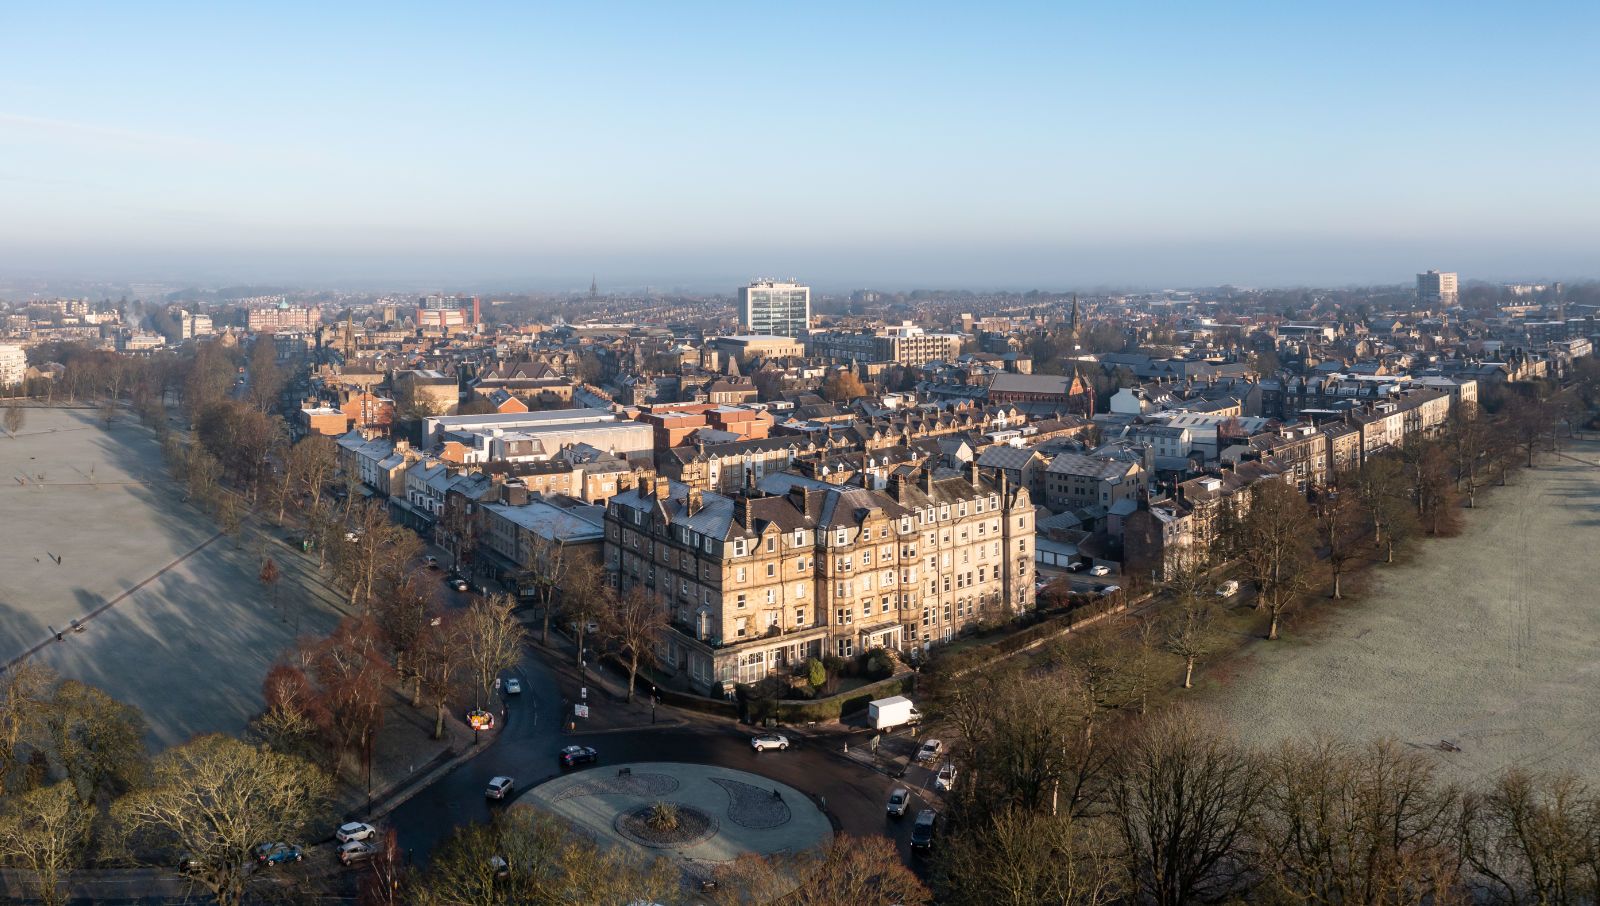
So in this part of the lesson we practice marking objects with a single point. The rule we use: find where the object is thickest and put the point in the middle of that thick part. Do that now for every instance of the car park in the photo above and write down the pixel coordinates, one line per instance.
(899, 801)
(923, 831)
(499, 787)
(357, 851)
(769, 741)
(355, 830)
(572, 756)
(930, 751)
(946, 780)
(513, 686)
(273, 853)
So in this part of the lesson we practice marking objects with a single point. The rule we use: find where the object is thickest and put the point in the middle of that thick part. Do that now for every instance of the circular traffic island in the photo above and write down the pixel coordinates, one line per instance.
(697, 815)
(665, 825)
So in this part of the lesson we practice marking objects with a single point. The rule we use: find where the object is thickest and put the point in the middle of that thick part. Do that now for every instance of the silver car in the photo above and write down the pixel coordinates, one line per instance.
(357, 851)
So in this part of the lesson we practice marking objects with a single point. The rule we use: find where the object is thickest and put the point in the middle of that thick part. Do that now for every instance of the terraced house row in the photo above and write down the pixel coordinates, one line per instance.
(759, 581)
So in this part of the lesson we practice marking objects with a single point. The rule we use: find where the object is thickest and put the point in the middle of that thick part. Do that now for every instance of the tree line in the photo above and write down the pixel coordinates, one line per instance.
(1062, 799)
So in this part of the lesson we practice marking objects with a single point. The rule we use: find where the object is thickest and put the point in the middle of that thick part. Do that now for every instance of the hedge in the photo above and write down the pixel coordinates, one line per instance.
(835, 706)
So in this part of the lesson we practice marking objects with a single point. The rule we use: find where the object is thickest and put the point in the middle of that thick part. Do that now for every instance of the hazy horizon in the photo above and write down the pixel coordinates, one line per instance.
(1017, 146)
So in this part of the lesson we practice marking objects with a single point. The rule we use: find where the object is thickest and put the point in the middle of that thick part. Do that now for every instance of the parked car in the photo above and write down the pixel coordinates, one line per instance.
(769, 741)
(923, 831)
(459, 584)
(513, 686)
(946, 779)
(572, 756)
(1110, 589)
(357, 851)
(432, 561)
(1228, 589)
(499, 788)
(273, 853)
(930, 750)
(1074, 566)
(352, 537)
(899, 801)
(1101, 570)
(355, 830)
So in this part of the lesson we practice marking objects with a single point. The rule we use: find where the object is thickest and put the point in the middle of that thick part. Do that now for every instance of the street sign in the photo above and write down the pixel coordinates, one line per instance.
(580, 710)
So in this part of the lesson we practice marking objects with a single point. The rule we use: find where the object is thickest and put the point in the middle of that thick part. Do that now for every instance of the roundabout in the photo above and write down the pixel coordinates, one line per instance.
(695, 814)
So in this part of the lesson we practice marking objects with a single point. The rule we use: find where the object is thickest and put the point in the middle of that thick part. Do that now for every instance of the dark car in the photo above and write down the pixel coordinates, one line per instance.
(923, 831)
(572, 756)
(273, 853)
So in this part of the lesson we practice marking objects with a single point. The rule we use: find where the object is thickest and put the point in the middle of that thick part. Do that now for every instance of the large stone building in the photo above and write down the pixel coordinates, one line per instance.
(757, 583)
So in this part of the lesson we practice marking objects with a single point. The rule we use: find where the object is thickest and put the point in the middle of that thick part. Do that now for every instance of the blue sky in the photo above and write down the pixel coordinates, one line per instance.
(902, 144)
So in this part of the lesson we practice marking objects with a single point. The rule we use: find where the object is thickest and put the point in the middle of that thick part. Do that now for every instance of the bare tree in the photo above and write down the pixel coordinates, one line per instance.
(1190, 633)
(1339, 521)
(1184, 799)
(25, 689)
(402, 614)
(846, 871)
(1359, 825)
(549, 568)
(443, 664)
(353, 677)
(493, 639)
(1021, 858)
(386, 881)
(1386, 496)
(45, 831)
(15, 415)
(96, 740)
(1276, 540)
(216, 798)
(528, 857)
(1535, 839)
(585, 599)
(634, 624)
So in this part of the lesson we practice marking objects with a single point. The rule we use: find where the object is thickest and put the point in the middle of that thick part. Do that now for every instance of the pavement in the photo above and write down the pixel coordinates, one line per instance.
(747, 812)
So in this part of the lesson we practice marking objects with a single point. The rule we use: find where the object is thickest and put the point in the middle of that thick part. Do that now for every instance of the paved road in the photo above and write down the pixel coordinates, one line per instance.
(532, 737)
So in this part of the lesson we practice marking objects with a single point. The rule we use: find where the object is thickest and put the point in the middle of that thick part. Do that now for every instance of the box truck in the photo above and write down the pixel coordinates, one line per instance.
(895, 711)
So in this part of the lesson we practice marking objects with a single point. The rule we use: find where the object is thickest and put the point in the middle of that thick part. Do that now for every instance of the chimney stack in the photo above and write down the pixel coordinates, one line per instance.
(695, 502)
(741, 511)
